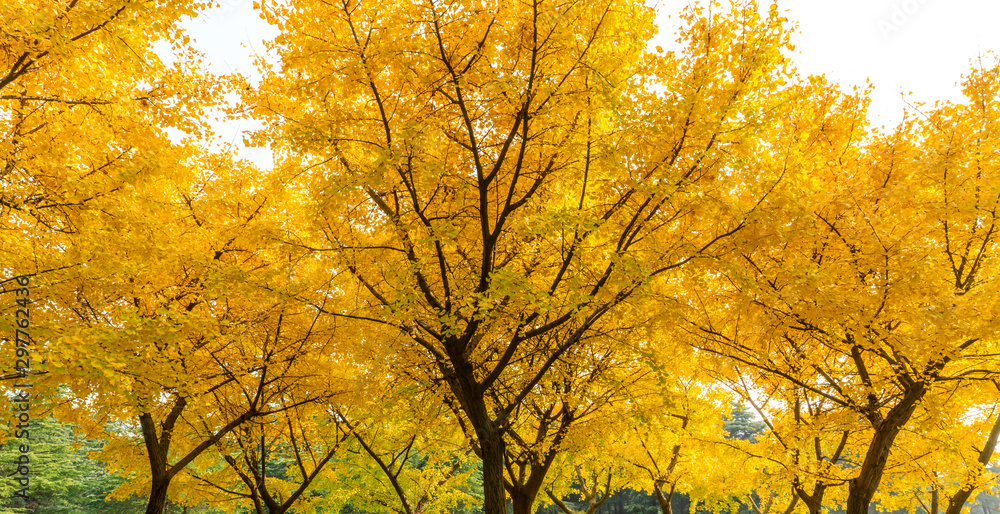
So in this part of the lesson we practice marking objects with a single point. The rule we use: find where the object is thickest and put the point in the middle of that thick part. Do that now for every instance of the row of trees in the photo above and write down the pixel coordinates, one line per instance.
(501, 238)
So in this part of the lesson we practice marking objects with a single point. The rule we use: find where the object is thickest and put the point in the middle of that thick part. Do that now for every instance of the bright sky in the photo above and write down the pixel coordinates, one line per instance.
(902, 46)
(923, 46)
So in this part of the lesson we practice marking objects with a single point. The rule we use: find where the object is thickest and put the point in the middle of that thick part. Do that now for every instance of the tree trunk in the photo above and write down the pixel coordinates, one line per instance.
(522, 495)
(158, 496)
(156, 452)
(957, 501)
(521, 501)
(814, 501)
(791, 504)
(664, 501)
(861, 489)
(493, 448)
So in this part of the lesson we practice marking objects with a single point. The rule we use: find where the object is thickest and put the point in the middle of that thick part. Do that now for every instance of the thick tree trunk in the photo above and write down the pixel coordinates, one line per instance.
(157, 496)
(814, 501)
(156, 452)
(664, 500)
(861, 489)
(523, 491)
(488, 431)
(522, 495)
(958, 500)
(493, 448)
(521, 501)
(157, 442)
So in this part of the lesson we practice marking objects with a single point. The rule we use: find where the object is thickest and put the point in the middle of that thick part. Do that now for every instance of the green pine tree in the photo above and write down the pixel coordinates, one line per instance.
(742, 424)
(63, 479)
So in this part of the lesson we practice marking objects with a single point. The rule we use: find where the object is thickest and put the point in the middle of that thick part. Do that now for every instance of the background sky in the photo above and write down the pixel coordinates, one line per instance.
(910, 50)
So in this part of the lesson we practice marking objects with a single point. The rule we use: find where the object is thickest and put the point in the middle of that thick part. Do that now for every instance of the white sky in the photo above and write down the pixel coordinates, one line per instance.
(902, 46)
(923, 46)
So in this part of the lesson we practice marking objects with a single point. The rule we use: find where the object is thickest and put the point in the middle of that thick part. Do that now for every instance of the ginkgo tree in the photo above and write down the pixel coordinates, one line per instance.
(495, 180)
(92, 205)
(945, 454)
(560, 425)
(872, 291)
(84, 102)
(180, 323)
(84, 109)
(479, 211)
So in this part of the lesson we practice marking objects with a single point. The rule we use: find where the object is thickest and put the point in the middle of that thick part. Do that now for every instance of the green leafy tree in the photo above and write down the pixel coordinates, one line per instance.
(63, 478)
(742, 424)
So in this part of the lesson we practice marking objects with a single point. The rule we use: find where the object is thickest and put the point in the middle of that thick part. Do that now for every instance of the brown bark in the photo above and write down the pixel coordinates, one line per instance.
(957, 500)
(522, 499)
(158, 450)
(553, 423)
(157, 496)
(492, 447)
(592, 496)
(814, 501)
(523, 492)
(861, 489)
(664, 500)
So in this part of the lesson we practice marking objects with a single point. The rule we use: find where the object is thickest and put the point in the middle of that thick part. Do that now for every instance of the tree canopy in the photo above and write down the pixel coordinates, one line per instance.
(509, 255)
